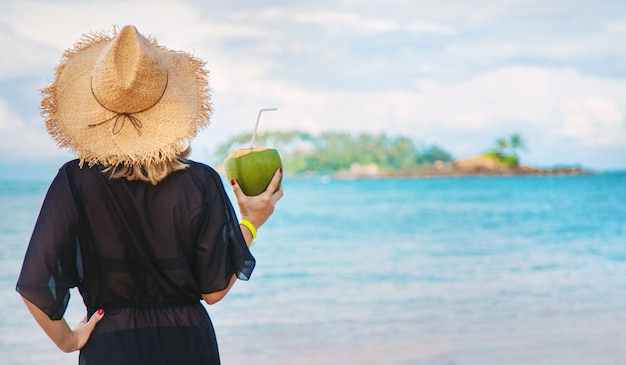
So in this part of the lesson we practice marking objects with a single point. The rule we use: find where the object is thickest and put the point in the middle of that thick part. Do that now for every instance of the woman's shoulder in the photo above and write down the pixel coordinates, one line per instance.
(79, 172)
(68, 169)
(76, 167)
(71, 165)
(202, 172)
(201, 168)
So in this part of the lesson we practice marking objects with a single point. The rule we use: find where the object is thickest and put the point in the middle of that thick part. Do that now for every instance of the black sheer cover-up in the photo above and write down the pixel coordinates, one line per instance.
(143, 253)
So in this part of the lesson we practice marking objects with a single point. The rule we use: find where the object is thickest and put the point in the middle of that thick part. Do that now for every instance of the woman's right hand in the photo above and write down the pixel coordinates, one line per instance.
(257, 209)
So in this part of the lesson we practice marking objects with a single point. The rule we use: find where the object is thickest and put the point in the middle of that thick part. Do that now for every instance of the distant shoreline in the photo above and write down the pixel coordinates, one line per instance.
(469, 167)
(476, 166)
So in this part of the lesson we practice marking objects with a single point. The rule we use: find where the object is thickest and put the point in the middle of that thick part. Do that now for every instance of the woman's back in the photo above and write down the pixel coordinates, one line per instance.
(144, 253)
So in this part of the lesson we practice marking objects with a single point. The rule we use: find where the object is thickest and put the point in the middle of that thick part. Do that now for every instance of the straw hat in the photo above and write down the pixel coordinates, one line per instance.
(121, 98)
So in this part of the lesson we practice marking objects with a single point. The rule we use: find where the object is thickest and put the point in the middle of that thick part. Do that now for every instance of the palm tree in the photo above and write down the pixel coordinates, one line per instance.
(509, 146)
(505, 150)
(516, 142)
(501, 145)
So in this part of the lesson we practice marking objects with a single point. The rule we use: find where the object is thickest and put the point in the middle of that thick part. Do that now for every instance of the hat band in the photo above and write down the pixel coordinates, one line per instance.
(117, 126)
(123, 116)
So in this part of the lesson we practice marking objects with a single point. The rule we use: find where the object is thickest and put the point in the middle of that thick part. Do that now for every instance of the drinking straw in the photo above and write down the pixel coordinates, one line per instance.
(257, 124)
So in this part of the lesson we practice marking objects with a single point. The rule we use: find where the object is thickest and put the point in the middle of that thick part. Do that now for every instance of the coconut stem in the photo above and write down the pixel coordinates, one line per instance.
(257, 124)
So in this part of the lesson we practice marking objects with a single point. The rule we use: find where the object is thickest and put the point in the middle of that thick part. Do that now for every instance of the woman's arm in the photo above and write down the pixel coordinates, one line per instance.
(66, 339)
(215, 297)
(255, 209)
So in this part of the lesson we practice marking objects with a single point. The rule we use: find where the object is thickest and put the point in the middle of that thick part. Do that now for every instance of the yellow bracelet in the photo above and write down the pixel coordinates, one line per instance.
(250, 226)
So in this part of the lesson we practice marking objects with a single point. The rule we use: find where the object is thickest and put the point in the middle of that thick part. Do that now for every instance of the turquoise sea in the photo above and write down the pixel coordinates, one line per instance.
(474, 270)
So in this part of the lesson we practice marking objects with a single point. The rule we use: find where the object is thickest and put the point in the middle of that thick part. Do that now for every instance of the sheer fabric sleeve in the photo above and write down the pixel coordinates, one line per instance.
(49, 268)
(221, 250)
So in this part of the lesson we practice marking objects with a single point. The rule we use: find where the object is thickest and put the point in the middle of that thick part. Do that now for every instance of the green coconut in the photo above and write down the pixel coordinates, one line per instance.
(253, 168)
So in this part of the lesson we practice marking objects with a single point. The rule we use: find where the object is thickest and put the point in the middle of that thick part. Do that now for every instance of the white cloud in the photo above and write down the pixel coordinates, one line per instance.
(341, 21)
(352, 21)
(22, 56)
(594, 122)
(617, 27)
(419, 27)
(329, 20)
(22, 140)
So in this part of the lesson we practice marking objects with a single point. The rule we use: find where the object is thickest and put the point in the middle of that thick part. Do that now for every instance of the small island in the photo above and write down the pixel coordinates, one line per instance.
(347, 156)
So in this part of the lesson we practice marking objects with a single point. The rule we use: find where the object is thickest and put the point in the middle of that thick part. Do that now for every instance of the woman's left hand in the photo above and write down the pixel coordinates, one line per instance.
(68, 340)
(257, 209)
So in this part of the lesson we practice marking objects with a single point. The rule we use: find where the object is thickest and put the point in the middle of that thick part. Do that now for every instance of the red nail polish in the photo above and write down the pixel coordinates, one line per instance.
(232, 181)
(100, 311)
(280, 170)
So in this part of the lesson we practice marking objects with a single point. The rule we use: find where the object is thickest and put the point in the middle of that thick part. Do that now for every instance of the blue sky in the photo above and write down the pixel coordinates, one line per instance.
(458, 74)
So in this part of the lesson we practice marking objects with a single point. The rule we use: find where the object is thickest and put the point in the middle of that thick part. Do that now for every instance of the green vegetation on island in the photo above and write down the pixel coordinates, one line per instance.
(505, 151)
(330, 152)
(364, 155)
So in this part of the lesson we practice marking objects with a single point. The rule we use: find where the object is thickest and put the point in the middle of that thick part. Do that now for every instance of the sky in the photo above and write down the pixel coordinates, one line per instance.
(454, 73)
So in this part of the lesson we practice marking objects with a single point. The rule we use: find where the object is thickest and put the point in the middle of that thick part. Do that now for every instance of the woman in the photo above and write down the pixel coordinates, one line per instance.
(144, 233)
